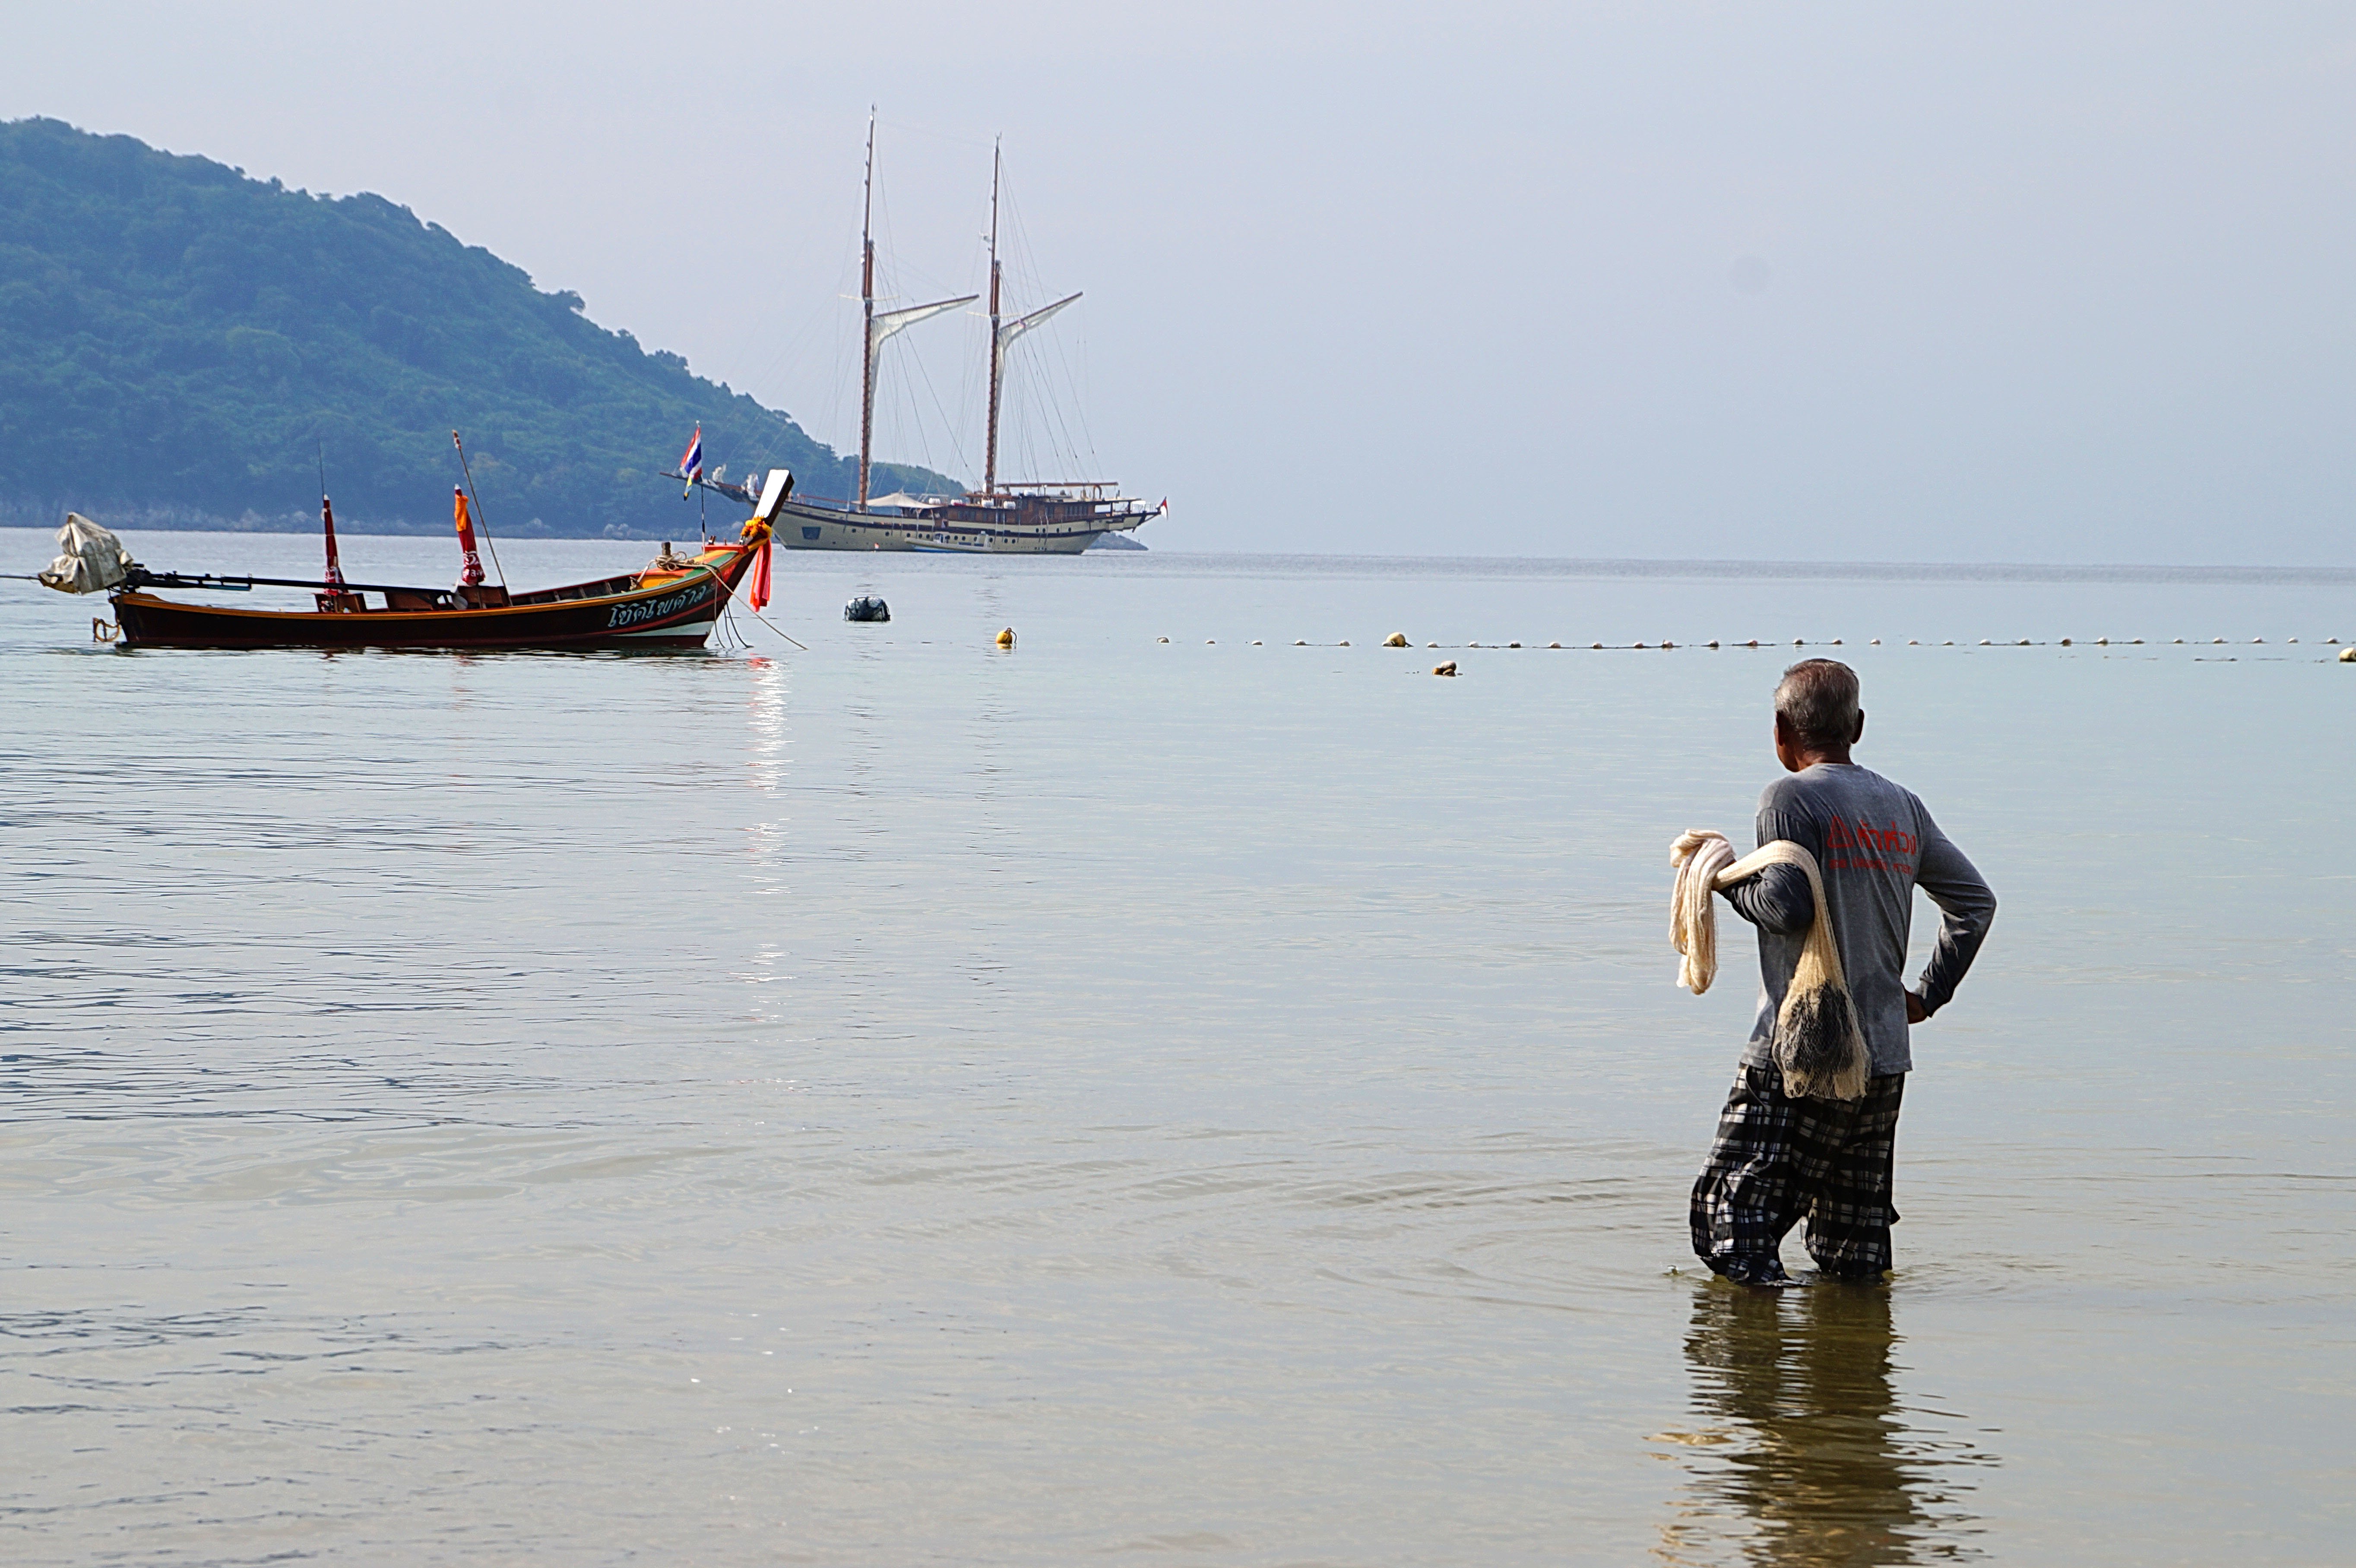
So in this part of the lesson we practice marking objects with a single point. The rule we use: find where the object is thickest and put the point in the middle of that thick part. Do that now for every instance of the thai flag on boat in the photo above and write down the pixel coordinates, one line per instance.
(690, 462)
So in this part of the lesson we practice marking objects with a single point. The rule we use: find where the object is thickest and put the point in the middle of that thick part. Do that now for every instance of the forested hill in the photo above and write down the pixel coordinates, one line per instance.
(177, 341)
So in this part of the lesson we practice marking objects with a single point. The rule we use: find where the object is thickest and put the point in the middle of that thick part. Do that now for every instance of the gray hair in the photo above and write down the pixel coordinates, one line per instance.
(1817, 698)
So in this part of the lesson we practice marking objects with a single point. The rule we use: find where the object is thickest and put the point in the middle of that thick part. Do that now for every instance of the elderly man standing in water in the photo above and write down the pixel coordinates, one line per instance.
(1779, 1158)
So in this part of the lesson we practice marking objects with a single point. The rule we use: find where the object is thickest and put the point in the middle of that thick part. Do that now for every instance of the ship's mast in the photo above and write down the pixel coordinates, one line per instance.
(876, 328)
(997, 348)
(867, 315)
(1002, 334)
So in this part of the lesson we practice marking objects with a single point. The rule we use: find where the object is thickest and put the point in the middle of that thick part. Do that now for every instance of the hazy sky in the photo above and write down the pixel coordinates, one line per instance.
(1879, 280)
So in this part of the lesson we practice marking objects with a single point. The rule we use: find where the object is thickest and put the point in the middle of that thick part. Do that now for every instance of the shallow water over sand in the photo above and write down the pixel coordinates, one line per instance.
(903, 1101)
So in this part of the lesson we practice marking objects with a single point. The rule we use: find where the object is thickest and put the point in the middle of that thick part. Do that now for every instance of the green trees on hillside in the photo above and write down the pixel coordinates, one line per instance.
(176, 339)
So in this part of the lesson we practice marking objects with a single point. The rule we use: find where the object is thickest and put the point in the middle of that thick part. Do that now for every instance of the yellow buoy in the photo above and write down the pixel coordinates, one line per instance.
(1448, 668)
(1396, 640)
(1006, 638)
(2348, 656)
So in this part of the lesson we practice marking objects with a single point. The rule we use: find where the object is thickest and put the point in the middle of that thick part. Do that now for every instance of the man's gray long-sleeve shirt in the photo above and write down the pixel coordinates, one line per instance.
(1875, 844)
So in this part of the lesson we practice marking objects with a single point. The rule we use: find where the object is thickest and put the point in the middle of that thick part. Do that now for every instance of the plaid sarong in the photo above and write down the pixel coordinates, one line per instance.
(1778, 1160)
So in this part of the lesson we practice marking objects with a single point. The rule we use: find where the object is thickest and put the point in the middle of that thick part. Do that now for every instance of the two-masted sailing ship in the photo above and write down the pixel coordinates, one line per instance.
(1024, 517)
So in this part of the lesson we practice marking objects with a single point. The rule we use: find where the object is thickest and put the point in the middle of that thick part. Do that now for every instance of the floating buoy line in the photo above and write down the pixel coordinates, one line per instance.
(2347, 654)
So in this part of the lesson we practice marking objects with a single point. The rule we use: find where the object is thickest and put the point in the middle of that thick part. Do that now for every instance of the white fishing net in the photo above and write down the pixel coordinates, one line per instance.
(92, 561)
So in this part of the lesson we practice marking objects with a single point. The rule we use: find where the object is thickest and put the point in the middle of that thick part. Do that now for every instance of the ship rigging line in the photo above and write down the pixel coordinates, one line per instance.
(479, 518)
(728, 592)
(924, 441)
(1038, 398)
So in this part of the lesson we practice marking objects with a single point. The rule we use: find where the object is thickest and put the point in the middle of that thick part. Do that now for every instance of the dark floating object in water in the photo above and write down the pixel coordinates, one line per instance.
(867, 607)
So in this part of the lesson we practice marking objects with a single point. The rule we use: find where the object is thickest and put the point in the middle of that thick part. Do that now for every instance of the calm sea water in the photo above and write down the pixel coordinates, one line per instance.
(1186, 1102)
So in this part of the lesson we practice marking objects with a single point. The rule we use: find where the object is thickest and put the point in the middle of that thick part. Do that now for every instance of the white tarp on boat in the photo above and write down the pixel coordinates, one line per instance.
(93, 561)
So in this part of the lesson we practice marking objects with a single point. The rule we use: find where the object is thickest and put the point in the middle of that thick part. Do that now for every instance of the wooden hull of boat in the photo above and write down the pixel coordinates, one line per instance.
(677, 614)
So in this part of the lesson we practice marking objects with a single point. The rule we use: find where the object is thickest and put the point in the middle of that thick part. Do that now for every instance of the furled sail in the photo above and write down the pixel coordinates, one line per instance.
(93, 561)
(887, 322)
(882, 325)
(1009, 331)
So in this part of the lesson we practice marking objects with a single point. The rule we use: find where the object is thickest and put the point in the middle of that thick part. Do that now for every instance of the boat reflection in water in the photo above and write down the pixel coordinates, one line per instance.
(1802, 1454)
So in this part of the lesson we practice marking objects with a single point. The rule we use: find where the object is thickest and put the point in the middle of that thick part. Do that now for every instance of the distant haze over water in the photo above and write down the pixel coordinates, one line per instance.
(2010, 282)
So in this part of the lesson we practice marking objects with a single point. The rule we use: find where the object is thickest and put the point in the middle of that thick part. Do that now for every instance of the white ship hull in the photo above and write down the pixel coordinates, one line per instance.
(962, 527)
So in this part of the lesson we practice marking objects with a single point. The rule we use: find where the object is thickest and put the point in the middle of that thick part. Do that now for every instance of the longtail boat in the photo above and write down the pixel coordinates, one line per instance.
(672, 604)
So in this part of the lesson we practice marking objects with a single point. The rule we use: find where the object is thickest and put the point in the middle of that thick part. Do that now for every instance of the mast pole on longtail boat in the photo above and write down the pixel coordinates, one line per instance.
(867, 315)
(996, 350)
(465, 528)
(334, 598)
(327, 524)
